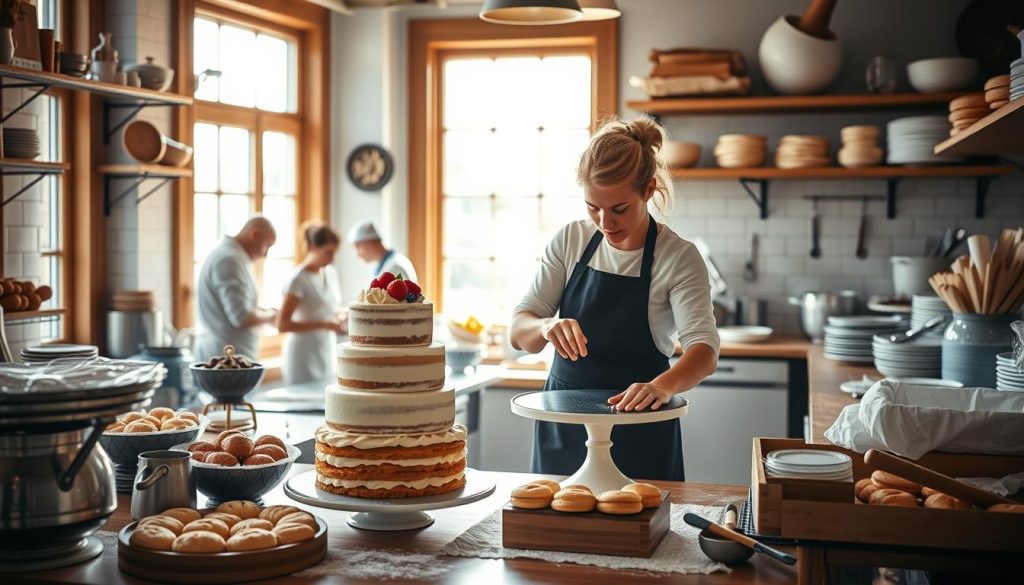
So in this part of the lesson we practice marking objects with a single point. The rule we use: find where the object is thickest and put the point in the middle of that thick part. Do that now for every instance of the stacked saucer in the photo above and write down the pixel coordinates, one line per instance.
(917, 358)
(848, 338)
(924, 308)
(737, 151)
(966, 110)
(1007, 376)
(1017, 79)
(912, 140)
(797, 152)
(997, 91)
(860, 147)
(21, 143)
(42, 354)
(809, 464)
(133, 301)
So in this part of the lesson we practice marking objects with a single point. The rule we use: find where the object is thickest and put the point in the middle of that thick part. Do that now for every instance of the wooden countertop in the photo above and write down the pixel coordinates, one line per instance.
(776, 347)
(449, 524)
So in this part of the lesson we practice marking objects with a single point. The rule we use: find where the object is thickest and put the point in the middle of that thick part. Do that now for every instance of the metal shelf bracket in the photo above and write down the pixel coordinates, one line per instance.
(110, 202)
(761, 199)
(133, 110)
(40, 90)
(32, 183)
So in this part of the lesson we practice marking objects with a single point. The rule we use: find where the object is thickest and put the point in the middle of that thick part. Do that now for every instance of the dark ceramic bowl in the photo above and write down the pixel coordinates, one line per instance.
(227, 386)
(124, 448)
(249, 482)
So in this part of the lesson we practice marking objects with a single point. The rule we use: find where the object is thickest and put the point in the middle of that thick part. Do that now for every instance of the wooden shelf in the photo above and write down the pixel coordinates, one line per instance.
(110, 90)
(999, 133)
(879, 172)
(18, 317)
(27, 166)
(143, 170)
(789, 104)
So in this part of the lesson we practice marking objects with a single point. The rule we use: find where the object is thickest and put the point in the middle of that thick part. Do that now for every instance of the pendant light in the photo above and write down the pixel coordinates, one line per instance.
(531, 12)
(600, 9)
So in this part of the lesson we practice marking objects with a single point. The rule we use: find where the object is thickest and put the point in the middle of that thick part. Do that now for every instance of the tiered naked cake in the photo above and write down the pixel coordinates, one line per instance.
(390, 430)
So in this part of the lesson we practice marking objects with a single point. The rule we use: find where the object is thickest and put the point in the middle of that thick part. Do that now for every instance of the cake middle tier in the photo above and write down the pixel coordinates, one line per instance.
(389, 413)
(391, 369)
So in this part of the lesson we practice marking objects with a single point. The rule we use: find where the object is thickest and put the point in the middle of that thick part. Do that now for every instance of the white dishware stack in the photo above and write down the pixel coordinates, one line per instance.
(966, 110)
(802, 151)
(42, 354)
(849, 338)
(738, 151)
(1008, 377)
(924, 308)
(860, 146)
(916, 358)
(809, 464)
(21, 143)
(1017, 79)
(912, 140)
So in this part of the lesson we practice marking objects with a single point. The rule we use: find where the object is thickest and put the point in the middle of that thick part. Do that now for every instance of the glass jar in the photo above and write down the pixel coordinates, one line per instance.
(970, 346)
(881, 75)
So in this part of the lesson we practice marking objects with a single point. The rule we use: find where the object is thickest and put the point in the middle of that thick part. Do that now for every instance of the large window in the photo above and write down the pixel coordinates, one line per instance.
(247, 137)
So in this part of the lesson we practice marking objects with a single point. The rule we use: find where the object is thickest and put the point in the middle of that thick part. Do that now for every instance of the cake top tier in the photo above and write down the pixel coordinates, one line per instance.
(391, 289)
(392, 312)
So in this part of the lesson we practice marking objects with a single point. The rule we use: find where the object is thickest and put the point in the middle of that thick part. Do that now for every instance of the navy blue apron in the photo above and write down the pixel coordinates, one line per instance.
(612, 312)
(383, 261)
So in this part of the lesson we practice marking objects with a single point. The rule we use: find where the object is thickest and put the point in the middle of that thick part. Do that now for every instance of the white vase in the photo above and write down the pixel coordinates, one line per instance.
(796, 63)
(6, 45)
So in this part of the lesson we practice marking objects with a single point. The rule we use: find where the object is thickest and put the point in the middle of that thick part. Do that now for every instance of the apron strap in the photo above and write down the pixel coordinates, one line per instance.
(647, 265)
(588, 253)
(384, 260)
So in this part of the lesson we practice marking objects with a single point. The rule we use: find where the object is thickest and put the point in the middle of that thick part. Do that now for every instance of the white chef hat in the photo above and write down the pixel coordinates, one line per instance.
(362, 232)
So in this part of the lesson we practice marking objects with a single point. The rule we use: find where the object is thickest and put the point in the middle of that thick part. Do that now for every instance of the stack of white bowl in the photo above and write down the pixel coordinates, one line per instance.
(809, 464)
(912, 140)
(739, 151)
(848, 338)
(924, 308)
(917, 358)
(802, 151)
(1008, 377)
(1017, 79)
(860, 146)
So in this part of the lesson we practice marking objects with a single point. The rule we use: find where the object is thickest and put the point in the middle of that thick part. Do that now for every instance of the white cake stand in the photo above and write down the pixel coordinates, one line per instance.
(393, 514)
(591, 409)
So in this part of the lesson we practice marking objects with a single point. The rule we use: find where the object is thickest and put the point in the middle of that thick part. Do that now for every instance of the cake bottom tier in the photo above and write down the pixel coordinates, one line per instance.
(388, 490)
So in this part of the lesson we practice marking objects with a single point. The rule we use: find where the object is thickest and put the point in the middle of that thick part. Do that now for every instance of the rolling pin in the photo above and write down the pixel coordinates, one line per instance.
(928, 478)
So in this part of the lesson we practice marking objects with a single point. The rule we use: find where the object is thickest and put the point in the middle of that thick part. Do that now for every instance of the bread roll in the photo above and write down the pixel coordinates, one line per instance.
(574, 501)
(242, 508)
(168, 522)
(1016, 508)
(864, 488)
(619, 502)
(290, 533)
(275, 513)
(250, 523)
(214, 525)
(270, 440)
(532, 496)
(183, 515)
(650, 495)
(893, 497)
(299, 518)
(251, 539)
(229, 519)
(884, 479)
(153, 537)
(238, 445)
(200, 541)
(945, 502)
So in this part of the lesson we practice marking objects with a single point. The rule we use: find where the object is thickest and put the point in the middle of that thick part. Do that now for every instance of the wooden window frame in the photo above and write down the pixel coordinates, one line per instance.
(309, 26)
(430, 42)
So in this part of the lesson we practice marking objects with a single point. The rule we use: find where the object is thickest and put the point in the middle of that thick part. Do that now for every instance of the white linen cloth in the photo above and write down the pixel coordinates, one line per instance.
(679, 552)
(911, 420)
(309, 355)
(225, 295)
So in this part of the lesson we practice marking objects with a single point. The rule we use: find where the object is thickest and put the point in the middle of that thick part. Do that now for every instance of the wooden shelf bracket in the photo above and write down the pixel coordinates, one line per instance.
(760, 198)
(110, 201)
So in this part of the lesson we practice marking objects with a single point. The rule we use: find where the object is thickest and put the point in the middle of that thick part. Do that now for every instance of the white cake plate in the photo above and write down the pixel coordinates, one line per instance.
(591, 409)
(388, 514)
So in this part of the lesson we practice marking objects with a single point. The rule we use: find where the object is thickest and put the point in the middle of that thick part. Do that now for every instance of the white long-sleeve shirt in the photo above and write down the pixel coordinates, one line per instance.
(225, 295)
(680, 296)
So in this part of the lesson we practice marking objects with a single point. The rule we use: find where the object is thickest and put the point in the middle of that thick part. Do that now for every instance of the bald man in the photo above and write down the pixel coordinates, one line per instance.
(227, 296)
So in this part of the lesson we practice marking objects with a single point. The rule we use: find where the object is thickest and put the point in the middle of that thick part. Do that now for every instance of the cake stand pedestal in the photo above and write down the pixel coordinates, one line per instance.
(389, 514)
(591, 409)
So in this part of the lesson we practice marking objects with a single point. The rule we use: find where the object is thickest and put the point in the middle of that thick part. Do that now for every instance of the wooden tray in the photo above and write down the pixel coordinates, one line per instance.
(810, 510)
(227, 567)
(636, 535)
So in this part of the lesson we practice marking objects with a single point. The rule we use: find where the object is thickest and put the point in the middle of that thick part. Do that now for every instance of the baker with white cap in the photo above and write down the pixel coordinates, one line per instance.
(371, 249)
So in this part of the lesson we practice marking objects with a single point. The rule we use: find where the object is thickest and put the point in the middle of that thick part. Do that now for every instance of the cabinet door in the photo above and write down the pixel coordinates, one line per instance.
(506, 439)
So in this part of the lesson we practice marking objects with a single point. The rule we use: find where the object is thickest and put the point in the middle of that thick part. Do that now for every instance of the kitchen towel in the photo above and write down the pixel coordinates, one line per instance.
(679, 552)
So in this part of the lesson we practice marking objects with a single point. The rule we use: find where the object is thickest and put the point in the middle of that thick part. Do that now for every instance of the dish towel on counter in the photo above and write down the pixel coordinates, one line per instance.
(679, 552)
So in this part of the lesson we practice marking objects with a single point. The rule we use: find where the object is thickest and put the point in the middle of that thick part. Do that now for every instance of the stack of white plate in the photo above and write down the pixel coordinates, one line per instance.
(924, 308)
(912, 141)
(42, 354)
(848, 338)
(1007, 376)
(917, 358)
(809, 464)
(1017, 79)
(21, 143)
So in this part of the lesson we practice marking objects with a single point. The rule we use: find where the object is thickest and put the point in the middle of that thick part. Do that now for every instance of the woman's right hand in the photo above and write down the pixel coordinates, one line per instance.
(566, 336)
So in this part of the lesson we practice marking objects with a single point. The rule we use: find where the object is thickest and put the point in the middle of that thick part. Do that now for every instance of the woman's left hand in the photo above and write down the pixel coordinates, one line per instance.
(642, 395)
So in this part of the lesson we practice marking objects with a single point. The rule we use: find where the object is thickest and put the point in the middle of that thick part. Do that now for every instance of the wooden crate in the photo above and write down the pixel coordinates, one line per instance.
(810, 511)
(635, 535)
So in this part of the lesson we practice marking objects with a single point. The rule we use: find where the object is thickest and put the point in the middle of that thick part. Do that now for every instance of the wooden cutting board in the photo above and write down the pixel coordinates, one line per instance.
(636, 535)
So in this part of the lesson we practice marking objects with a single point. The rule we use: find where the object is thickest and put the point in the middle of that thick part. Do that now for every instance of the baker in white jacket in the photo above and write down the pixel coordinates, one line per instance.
(226, 293)
(371, 249)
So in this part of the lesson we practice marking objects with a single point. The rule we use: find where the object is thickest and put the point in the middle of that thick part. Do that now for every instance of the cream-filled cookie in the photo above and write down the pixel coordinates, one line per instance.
(619, 502)
(572, 500)
(532, 496)
(650, 495)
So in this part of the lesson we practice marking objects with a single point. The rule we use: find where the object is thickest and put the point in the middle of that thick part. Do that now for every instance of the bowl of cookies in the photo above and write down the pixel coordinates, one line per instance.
(235, 466)
(229, 377)
(236, 541)
(139, 431)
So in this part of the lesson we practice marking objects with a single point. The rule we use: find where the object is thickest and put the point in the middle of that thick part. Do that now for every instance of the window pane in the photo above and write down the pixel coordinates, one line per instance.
(512, 279)
(273, 83)
(278, 163)
(281, 211)
(240, 66)
(468, 286)
(205, 157)
(468, 93)
(516, 167)
(516, 220)
(558, 212)
(564, 87)
(205, 232)
(234, 212)
(275, 277)
(517, 101)
(468, 225)
(467, 163)
(560, 153)
(235, 154)
(206, 56)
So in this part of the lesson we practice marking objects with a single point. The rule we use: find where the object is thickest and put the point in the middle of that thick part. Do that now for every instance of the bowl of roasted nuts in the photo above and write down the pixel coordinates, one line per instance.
(228, 378)
(236, 466)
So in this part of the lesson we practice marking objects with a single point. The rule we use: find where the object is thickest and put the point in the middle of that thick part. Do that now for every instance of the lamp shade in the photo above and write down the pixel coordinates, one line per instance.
(531, 12)
(600, 9)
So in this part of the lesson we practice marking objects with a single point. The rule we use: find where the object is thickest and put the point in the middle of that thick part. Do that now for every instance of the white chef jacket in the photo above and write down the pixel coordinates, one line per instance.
(397, 263)
(226, 294)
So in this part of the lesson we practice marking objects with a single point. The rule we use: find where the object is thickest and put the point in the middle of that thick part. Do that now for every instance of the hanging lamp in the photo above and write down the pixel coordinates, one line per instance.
(600, 9)
(531, 12)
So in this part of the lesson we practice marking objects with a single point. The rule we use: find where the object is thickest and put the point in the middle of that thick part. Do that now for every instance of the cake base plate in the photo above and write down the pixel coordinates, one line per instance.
(388, 514)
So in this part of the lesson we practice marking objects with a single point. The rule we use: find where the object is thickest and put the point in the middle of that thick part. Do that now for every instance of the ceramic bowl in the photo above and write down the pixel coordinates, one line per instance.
(228, 386)
(942, 74)
(151, 75)
(124, 448)
(461, 357)
(246, 482)
(796, 63)
(682, 155)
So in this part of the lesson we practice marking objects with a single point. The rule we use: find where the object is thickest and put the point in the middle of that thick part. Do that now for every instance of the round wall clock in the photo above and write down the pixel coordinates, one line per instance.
(370, 167)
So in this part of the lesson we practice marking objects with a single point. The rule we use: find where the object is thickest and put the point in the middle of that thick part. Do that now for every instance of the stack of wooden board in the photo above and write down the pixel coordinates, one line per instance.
(695, 72)
(986, 281)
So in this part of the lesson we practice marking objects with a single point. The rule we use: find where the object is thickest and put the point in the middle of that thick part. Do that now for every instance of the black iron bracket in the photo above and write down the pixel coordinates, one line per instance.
(40, 90)
(761, 198)
(133, 110)
(32, 183)
(110, 202)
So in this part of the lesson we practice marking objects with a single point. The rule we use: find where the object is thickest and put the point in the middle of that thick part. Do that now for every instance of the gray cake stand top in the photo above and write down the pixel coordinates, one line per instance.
(590, 406)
